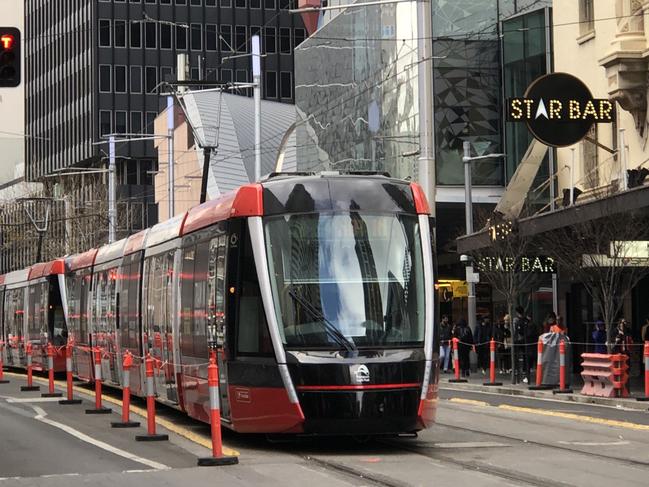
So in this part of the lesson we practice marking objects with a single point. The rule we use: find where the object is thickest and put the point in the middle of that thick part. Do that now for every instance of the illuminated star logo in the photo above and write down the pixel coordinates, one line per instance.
(541, 111)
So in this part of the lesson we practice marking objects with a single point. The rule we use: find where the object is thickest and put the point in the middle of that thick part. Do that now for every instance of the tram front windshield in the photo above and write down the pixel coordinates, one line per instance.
(347, 280)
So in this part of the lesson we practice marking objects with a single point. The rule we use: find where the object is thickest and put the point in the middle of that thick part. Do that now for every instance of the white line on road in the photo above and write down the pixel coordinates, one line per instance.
(41, 416)
(470, 444)
(33, 399)
(594, 443)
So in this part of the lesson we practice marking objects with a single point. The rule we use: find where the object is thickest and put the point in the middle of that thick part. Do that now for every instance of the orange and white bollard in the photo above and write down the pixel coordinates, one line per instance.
(150, 405)
(456, 361)
(126, 395)
(539, 369)
(2, 372)
(30, 380)
(50, 373)
(562, 371)
(492, 365)
(217, 457)
(645, 359)
(68, 377)
(99, 409)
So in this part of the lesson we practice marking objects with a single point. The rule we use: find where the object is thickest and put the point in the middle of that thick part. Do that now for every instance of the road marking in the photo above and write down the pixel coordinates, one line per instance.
(577, 417)
(41, 415)
(59, 475)
(33, 399)
(470, 444)
(142, 470)
(595, 443)
(471, 402)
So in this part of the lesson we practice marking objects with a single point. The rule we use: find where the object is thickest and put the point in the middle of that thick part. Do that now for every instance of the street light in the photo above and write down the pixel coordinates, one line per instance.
(467, 160)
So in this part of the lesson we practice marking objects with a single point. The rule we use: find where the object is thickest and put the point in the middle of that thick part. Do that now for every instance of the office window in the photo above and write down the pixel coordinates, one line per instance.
(136, 35)
(197, 37)
(286, 84)
(210, 37)
(226, 75)
(586, 16)
(240, 39)
(150, 31)
(120, 33)
(298, 37)
(105, 122)
(240, 3)
(150, 122)
(167, 74)
(136, 79)
(104, 33)
(284, 4)
(196, 3)
(210, 3)
(181, 38)
(270, 42)
(255, 3)
(271, 84)
(165, 36)
(269, 4)
(151, 75)
(181, 2)
(165, 2)
(285, 40)
(105, 75)
(152, 1)
(120, 79)
(136, 122)
(226, 38)
(226, 3)
(120, 122)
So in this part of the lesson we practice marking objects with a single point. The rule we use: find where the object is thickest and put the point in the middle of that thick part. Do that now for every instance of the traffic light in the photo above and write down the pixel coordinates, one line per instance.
(9, 57)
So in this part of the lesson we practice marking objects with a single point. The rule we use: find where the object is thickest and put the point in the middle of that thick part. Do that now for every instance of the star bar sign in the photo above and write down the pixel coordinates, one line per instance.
(559, 109)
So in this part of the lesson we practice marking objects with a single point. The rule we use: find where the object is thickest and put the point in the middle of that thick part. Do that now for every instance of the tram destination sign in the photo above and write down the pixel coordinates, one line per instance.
(559, 109)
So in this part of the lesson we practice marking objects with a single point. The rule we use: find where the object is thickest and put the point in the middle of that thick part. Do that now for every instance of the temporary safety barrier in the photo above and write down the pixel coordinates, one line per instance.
(50, 373)
(456, 361)
(604, 375)
(563, 389)
(30, 383)
(99, 409)
(645, 358)
(2, 352)
(126, 395)
(150, 406)
(492, 365)
(68, 377)
(539, 386)
(217, 457)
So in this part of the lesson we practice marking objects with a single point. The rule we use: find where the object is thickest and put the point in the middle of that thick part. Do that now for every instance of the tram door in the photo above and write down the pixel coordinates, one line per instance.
(216, 324)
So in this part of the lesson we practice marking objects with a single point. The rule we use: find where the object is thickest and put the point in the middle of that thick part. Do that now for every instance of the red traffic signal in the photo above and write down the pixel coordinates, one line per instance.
(10, 57)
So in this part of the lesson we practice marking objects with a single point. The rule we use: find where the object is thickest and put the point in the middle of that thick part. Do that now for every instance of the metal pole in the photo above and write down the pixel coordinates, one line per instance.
(256, 79)
(471, 304)
(112, 196)
(572, 178)
(426, 162)
(170, 155)
(625, 183)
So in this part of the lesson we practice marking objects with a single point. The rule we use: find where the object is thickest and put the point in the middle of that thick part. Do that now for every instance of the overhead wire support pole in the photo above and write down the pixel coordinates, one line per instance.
(112, 190)
(170, 155)
(256, 78)
(426, 161)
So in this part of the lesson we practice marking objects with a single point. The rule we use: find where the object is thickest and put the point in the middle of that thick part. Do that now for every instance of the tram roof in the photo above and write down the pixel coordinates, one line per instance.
(43, 269)
(110, 252)
(81, 261)
(135, 242)
(164, 231)
(16, 277)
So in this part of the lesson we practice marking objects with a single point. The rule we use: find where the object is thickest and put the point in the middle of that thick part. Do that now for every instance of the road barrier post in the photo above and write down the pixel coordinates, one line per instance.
(562, 371)
(30, 384)
(492, 365)
(217, 458)
(50, 373)
(99, 409)
(456, 361)
(126, 395)
(2, 373)
(539, 369)
(68, 377)
(645, 359)
(150, 406)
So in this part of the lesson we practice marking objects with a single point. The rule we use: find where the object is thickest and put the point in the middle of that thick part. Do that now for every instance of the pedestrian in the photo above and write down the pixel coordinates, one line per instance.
(482, 337)
(520, 332)
(599, 336)
(444, 343)
(644, 332)
(620, 338)
(550, 320)
(503, 337)
(463, 334)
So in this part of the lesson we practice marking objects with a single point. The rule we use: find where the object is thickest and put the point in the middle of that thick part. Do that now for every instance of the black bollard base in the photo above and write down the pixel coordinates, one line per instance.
(562, 391)
(4, 381)
(492, 383)
(457, 381)
(217, 462)
(51, 394)
(67, 402)
(541, 387)
(99, 411)
(125, 424)
(643, 399)
(155, 437)
(30, 388)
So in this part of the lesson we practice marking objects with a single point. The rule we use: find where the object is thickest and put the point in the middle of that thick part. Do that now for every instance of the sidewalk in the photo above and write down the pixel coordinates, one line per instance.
(476, 383)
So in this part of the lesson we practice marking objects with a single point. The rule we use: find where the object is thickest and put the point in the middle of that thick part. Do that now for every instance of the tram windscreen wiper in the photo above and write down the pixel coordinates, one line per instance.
(335, 333)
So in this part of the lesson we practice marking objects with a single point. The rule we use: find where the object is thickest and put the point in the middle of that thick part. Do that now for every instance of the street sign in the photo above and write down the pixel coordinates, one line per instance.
(559, 109)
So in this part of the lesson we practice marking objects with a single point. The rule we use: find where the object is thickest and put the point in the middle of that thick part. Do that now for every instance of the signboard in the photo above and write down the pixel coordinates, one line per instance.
(559, 109)
(630, 249)
(524, 264)
(598, 260)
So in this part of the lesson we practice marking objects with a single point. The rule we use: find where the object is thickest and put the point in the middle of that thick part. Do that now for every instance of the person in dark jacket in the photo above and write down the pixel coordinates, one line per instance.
(521, 335)
(444, 343)
(482, 338)
(463, 333)
(599, 336)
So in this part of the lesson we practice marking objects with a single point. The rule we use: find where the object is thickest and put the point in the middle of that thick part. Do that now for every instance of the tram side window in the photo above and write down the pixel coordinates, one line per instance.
(34, 313)
(252, 335)
(200, 302)
(187, 301)
(84, 288)
(216, 291)
(133, 302)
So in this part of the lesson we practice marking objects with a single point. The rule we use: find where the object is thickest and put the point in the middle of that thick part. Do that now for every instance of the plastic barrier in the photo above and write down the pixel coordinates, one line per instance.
(456, 361)
(539, 385)
(604, 375)
(150, 406)
(217, 457)
(30, 384)
(2, 352)
(492, 365)
(126, 396)
(68, 377)
(645, 359)
(50, 373)
(99, 409)
(563, 389)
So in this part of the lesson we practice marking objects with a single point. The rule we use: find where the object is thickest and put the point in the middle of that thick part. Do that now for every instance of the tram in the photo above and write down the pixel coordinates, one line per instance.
(315, 291)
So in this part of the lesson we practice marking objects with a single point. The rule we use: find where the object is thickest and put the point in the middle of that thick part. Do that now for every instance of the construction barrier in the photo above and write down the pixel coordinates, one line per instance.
(456, 361)
(492, 365)
(645, 360)
(539, 386)
(563, 389)
(99, 409)
(2, 352)
(68, 377)
(30, 382)
(150, 406)
(217, 457)
(604, 375)
(50, 373)
(126, 395)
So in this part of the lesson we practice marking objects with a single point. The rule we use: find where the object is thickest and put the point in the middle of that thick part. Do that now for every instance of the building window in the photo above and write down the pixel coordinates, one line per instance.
(271, 84)
(181, 38)
(120, 122)
(240, 3)
(589, 151)
(136, 122)
(210, 37)
(194, 74)
(226, 3)
(150, 122)
(166, 73)
(210, 3)
(104, 33)
(586, 16)
(136, 34)
(105, 122)
(286, 84)
(196, 3)
(240, 38)
(284, 4)
(197, 37)
(181, 2)
(151, 79)
(269, 4)
(270, 41)
(165, 36)
(285, 40)
(255, 3)
(164, 2)
(150, 38)
(105, 76)
(120, 79)
(136, 79)
(226, 75)
(298, 37)
(120, 33)
(226, 38)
